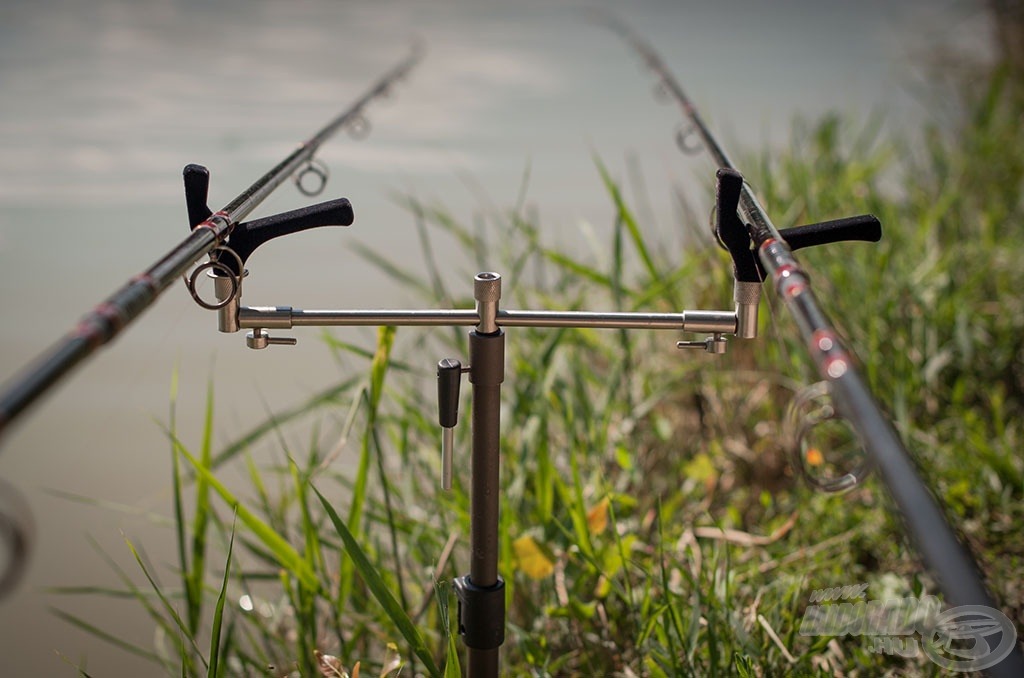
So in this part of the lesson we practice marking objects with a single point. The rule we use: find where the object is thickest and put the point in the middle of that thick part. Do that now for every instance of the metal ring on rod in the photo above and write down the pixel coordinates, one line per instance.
(317, 169)
(358, 127)
(16, 536)
(811, 408)
(221, 270)
(683, 135)
(661, 92)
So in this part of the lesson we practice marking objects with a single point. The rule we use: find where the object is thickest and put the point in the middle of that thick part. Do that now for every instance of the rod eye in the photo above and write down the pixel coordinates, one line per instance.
(312, 178)
(687, 140)
(358, 127)
(17, 534)
(825, 449)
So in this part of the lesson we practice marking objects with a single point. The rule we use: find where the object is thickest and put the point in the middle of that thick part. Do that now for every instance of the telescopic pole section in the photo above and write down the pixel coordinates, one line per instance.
(482, 593)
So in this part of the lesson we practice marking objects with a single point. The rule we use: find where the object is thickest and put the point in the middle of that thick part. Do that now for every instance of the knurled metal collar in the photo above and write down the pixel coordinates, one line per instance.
(487, 287)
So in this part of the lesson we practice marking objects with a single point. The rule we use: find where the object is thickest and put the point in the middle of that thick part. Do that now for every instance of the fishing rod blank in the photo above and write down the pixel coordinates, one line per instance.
(740, 214)
(210, 231)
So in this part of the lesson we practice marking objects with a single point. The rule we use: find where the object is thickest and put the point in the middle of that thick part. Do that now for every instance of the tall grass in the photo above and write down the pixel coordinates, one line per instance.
(651, 524)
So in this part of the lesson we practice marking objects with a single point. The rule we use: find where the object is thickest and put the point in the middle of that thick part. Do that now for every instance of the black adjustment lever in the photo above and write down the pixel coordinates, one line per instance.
(247, 236)
(733, 236)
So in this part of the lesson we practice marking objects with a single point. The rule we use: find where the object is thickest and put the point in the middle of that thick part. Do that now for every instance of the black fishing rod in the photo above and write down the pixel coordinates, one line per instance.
(956, 571)
(210, 231)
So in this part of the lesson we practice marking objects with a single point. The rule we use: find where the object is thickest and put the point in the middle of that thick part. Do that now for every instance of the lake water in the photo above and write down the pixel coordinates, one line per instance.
(104, 102)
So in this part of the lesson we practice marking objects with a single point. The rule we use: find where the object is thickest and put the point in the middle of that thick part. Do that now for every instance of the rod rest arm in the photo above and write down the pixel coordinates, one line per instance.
(247, 236)
(733, 236)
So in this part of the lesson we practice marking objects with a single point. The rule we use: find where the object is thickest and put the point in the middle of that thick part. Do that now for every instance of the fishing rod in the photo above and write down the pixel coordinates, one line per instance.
(760, 252)
(209, 232)
(226, 239)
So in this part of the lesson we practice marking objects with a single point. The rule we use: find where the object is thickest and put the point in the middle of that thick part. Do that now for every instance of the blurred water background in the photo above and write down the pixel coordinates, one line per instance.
(104, 102)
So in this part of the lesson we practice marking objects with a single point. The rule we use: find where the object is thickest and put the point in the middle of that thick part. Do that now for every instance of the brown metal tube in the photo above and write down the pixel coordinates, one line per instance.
(487, 372)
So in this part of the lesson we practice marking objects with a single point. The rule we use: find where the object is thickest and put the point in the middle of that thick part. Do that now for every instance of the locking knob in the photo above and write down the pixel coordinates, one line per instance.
(258, 339)
(449, 378)
(713, 344)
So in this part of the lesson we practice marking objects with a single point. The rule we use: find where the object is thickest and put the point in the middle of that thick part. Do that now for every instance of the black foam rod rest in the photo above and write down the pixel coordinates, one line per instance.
(729, 229)
(197, 188)
(864, 227)
(249, 235)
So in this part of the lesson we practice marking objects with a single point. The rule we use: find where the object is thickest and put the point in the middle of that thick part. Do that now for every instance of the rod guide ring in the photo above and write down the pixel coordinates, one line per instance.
(221, 270)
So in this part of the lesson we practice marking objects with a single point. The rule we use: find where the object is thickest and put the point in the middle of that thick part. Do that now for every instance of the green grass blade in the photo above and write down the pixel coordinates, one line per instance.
(284, 553)
(142, 597)
(380, 591)
(306, 608)
(256, 478)
(82, 673)
(201, 520)
(325, 397)
(105, 591)
(427, 252)
(579, 269)
(675, 623)
(218, 612)
(372, 395)
(628, 220)
(394, 271)
(452, 668)
(310, 533)
(106, 636)
(117, 507)
(338, 346)
(171, 611)
(378, 369)
(179, 509)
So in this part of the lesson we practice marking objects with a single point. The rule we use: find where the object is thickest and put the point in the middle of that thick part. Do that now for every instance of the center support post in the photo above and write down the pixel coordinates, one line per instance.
(481, 594)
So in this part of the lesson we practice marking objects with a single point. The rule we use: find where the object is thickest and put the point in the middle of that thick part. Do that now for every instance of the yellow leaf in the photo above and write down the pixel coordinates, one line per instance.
(597, 517)
(531, 559)
(603, 588)
(701, 468)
